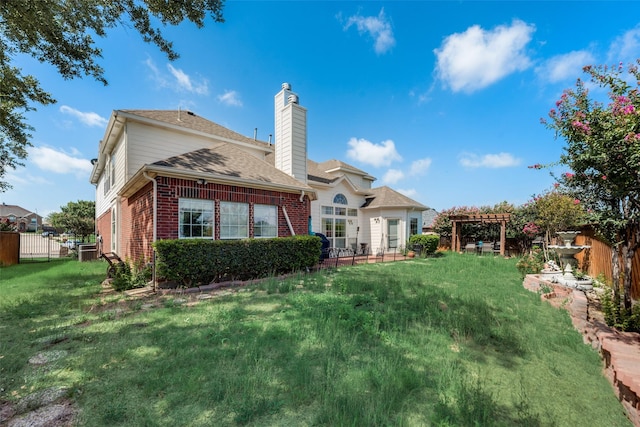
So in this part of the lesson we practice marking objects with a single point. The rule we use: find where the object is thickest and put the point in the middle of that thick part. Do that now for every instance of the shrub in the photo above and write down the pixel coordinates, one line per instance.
(126, 277)
(428, 243)
(616, 315)
(531, 263)
(195, 262)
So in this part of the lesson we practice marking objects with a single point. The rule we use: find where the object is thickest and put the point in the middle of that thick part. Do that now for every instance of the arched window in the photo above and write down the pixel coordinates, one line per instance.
(340, 199)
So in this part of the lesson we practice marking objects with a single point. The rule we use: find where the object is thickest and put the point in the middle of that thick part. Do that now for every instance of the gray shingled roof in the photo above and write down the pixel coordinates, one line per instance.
(387, 197)
(227, 161)
(189, 120)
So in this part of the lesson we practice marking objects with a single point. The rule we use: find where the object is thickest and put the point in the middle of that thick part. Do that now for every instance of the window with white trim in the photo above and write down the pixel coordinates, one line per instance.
(265, 221)
(234, 220)
(195, 219)
(413, 226)
(113, 169)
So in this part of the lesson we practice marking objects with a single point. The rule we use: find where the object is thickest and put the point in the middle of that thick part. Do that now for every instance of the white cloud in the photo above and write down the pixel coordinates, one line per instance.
(477, 58)
(492, 161)
(377, 27)
(89, 119)
(563, 67)
(377, 155)
(420, 166)
(184, 82)
(392, 176)
(625, 48)
(58, 161)
(177, 80)
(230, 97)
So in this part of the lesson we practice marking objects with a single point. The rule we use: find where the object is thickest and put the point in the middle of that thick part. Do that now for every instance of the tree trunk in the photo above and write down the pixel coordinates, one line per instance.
(627, 259)
(615, 273)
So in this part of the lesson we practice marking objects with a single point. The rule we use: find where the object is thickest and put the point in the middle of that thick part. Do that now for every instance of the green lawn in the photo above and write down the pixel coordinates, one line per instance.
(453, 340)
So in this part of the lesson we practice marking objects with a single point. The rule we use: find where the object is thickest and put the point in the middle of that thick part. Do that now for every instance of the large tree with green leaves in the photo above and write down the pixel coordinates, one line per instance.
(61, 33)
(76, 217)
(603, 152)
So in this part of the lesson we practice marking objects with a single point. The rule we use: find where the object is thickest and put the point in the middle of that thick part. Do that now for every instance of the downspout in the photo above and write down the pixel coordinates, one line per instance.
(155, 226)
(286, 216)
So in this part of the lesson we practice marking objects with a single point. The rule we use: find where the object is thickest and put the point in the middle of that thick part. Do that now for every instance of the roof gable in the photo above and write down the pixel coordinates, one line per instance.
(385, 197)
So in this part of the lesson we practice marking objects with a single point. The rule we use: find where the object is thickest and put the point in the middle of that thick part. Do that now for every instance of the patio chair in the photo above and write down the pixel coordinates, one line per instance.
(486, 248)
(470, 248)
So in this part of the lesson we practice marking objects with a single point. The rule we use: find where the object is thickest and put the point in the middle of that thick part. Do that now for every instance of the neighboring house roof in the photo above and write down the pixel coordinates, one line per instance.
(385, 197)
(228, 163)
(428, 217)
(6, 210)
(190, 120)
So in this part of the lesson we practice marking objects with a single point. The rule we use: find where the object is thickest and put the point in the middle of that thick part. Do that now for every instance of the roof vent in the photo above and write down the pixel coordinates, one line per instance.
(286, 86)
(293, 99)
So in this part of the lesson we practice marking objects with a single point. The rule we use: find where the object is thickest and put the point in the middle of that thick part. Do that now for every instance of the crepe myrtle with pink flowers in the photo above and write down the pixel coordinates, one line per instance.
(602, 152)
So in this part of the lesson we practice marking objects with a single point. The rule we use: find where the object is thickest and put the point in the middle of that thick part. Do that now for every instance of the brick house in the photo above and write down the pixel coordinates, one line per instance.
(22, 219)
(169, 174)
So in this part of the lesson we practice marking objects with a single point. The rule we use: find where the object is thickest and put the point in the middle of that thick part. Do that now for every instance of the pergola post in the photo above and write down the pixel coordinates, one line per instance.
(455, 238)
(503, 236)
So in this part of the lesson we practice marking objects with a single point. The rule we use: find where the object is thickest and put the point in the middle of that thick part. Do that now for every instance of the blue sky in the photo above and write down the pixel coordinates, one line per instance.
(439, 100)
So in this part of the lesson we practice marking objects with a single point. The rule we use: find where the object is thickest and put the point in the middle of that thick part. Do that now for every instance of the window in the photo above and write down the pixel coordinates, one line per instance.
(341, 233)
(234, 220)
(107, 181)
(113, 169)
(195, 219)
(327, 210)
(12, 218)
(413, 226)
(327, 228)
(340, 199)
(341, 211)
(265, 221)
(352, 212)
(114, 223)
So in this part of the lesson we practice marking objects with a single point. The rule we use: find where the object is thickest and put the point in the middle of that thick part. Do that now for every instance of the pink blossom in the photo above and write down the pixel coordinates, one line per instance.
(556, 185)
(568, 175)
(604, 176)
(576, 201)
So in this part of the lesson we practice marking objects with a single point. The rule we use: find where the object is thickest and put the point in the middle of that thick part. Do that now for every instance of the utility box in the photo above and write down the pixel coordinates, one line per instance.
(87, 252)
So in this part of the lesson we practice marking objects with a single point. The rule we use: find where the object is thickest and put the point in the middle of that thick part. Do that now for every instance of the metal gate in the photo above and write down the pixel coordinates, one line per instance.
(34, 247)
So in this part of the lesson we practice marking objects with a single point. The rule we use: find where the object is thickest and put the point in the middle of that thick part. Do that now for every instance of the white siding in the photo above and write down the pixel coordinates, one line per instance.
(149, 144)
(104, 202)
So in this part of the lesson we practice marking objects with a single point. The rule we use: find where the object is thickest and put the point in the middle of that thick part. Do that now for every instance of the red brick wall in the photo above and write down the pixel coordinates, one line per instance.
(137, 225)
(136, 230)
(103, 229)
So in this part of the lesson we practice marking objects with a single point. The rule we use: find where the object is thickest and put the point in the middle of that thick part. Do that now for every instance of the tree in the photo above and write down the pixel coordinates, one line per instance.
(603, 152)
(76, 217)
(60, 32)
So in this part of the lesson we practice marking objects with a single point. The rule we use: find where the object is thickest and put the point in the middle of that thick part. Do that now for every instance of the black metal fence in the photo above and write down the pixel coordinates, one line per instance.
(36, 247)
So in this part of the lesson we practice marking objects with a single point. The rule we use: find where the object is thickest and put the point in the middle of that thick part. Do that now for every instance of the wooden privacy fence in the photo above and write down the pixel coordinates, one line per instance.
(597, 260)
(9, 248)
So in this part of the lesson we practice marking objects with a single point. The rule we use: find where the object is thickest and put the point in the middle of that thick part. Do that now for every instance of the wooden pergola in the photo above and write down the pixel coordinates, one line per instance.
(458, 220)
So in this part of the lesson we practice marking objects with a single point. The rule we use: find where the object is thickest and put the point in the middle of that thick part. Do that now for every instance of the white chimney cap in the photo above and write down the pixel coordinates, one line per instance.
(293, 99)
(286, 86)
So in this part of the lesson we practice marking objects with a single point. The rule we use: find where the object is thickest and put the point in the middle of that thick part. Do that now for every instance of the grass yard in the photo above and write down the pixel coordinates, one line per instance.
(448, 341)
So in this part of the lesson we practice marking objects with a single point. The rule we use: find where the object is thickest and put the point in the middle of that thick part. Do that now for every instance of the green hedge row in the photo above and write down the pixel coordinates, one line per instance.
(198, 262)
(429, 243)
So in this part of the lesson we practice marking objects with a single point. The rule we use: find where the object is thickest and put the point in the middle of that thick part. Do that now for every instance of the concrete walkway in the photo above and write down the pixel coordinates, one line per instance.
(620, 351)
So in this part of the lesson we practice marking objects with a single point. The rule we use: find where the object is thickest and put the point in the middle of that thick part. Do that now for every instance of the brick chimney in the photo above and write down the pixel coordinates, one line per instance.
(290, 134)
